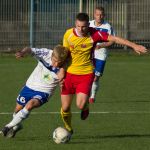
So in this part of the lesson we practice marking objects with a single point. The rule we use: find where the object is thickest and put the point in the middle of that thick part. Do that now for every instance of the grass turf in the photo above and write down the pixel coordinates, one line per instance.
(123, 102)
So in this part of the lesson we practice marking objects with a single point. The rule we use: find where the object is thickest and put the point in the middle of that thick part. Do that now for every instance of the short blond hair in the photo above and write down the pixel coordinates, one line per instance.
(100, 8)
(60, 52)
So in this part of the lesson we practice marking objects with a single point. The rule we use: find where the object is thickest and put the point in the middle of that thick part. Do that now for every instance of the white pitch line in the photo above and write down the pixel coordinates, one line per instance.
(100, 112)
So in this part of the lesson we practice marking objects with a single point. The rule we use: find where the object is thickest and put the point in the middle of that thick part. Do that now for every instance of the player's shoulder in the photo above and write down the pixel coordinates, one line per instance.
(46, 50)
(109, 27)
(46, 54)
(107, 24)
(68, 31)
(42, 51)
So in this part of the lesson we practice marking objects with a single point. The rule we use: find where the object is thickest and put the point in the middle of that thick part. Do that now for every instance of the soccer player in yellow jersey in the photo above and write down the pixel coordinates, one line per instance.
(81, 41)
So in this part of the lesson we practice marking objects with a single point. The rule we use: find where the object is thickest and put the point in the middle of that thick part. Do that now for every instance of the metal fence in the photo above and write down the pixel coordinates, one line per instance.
(42, 23)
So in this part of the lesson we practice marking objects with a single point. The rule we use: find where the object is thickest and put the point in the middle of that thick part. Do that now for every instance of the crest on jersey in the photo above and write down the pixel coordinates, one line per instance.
(83, 45)
(72, 46)
(47, 77)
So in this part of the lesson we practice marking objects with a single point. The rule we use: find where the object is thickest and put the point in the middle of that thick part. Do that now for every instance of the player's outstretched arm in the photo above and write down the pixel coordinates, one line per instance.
(137, 48)
(23, 52)
(104, 44)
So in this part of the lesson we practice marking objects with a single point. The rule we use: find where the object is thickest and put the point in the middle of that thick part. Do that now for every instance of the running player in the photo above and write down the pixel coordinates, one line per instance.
(100, 53)
(79, 77)
(39, 86)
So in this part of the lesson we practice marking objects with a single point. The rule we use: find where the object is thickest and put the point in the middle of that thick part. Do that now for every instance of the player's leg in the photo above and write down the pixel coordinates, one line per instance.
(66, 115)
(24, 113)
(82, 104)
(94, 89)
(99, 61)
(99, 68)
(19, 117)
(19, 106)
(83, 91)
(66, 100)
(28, 99)
(18, 127)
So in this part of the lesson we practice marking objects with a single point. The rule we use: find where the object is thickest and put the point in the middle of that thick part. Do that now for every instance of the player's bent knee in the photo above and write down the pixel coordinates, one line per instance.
(32, 104)
(29, 107)
(80, 106)
(81, 103)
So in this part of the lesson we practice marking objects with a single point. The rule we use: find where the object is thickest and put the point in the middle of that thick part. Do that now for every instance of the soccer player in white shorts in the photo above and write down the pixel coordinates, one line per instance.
(100, 53)
(39, 86)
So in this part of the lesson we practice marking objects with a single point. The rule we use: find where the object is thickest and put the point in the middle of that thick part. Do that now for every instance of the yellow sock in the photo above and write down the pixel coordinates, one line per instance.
(66, 117)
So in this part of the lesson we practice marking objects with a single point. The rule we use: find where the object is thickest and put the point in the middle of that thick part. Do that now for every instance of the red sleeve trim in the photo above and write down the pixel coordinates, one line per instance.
(98, 36)
(74, 31)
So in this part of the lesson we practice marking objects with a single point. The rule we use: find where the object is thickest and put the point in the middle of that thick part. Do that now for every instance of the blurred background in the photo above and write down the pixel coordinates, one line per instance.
(42, 23)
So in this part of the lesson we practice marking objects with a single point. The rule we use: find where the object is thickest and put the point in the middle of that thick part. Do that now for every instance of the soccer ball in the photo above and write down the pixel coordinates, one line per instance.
(61, 135)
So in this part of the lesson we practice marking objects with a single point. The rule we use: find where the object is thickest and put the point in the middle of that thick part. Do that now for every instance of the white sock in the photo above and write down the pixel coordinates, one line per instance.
(14, 114)
(22, 114)
(18, 125)
(15, 127)
(94, 89)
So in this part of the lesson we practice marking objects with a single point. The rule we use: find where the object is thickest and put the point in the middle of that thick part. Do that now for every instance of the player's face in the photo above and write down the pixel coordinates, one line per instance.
(82, 27)
(98, 16)
(56, 62)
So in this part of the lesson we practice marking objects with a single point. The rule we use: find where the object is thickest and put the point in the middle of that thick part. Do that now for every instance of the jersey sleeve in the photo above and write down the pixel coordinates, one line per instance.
(100, 36)
(111, 31)
(40, 53)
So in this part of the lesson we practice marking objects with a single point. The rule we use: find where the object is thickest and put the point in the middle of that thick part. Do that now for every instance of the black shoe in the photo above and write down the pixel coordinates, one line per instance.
(4, 131)
(70, 135)
(71, 132)
(12, 132)
(84, 114)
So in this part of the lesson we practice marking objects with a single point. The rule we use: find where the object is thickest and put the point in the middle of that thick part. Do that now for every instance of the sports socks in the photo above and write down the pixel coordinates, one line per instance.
(16, 126)
(66, 117)
(94, 89)
(17, 118)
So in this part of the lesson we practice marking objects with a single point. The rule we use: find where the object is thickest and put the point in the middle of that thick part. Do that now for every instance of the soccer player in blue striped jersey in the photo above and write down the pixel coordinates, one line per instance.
(100, 53)
(40, 85)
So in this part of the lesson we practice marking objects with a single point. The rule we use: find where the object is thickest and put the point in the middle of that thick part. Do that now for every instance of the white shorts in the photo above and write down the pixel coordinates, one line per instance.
(100, 54)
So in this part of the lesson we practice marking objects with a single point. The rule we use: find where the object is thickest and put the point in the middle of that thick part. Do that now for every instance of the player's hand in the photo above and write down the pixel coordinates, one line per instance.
(140, 49)
(19, 54)
(23, 52)
(97, 47)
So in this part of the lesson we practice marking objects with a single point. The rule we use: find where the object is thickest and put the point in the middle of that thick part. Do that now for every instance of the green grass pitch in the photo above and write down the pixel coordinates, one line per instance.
(120, 118)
